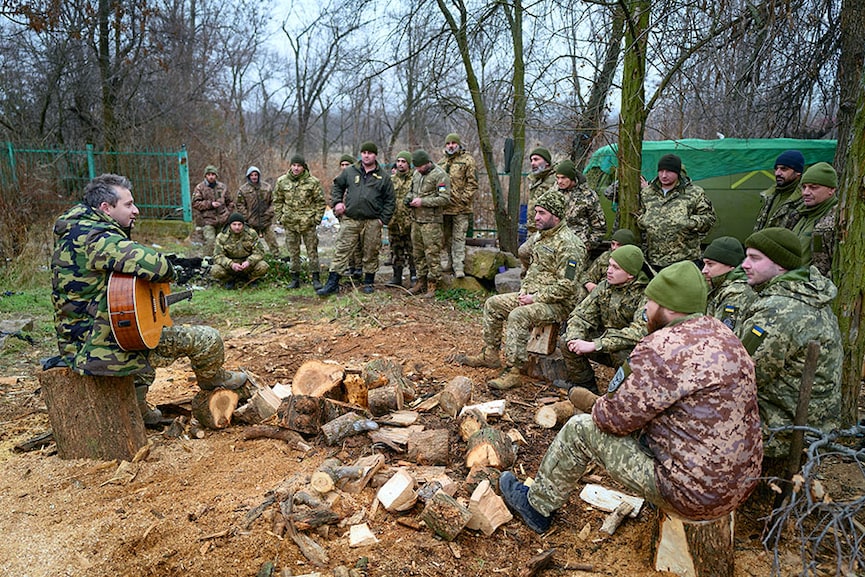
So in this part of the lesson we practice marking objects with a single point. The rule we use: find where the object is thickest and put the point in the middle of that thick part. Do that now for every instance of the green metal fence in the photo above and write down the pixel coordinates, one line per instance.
(160, 179)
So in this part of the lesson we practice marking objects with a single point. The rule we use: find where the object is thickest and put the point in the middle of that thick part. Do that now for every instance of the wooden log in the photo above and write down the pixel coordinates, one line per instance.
(445, 516)
(213, 409)
(427, 404)
(35, 443)
(479, 474)
(316, 378)
(369, 465)
(456, 394)
(384, 400)
(614, 519)
(92, 417)
(294, 440)
(555, 415)
(306, 414)
(432, 486)
(361, 536)
(345, 426)
(429, 447)
(262, 404)
(489, 409)
(489, 447)
(330, 473)
(315, 553)
(542, 561)
(399, 419)
(398, 494)
(549, 367)
(607, 499)
(355, 389)
(543, 339)
(694, 548)
(488, 510)
(471, 422)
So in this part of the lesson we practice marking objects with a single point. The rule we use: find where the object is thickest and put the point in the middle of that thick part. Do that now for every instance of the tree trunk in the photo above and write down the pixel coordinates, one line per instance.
(850, 66)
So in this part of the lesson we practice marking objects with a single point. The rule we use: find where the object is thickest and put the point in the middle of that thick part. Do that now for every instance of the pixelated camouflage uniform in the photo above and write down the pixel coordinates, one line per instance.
(674, 224)
(539, 183)
(558, 255)
(88, 246)
(729, 295)
(208, 218)
(778, 204)
(789, 311)
(298, 203)
(597, 271)
(815, 227)
(433, 188)
(463, 172)
(585, 216)
(232, 247)
(399, 227)
(255, 203)
(611, 317)
(680, 426)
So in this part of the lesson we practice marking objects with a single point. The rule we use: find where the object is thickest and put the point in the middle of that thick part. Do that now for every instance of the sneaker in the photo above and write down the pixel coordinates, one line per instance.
(516, 496)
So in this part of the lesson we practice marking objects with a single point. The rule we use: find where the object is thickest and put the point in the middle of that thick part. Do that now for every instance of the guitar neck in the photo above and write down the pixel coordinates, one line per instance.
(177, 297)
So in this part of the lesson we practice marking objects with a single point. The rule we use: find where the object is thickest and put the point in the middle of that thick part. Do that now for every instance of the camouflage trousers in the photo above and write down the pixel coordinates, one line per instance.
(520, 319)
(250, 274)
(202, 345)
(575, 446)
(401, 246)
(310, 241)
(426, 240)
(352, 232)
(455, 227)
(580, 371)
(269, 237)
(209, 232)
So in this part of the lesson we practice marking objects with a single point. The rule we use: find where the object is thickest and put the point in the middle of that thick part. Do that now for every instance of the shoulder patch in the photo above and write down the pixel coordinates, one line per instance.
(621, 374)
(571, 270)
(752, 339)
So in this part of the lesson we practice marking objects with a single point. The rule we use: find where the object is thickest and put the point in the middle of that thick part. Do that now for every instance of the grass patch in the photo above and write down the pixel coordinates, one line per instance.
(462, 299)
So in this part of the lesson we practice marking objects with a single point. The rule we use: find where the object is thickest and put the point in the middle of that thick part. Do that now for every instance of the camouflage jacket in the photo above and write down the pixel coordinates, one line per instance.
(790, 310)
(778, 205)
(815, 227)
(674, 224)
(232, 247)
(597, 271)
(400, 222)
(611, 316)
(729, 295)
(689, 389)
(434, 190)
(539, 183)
(558, 256)
(255, 203)
(585, 216)
(366, 195)
(203, 212)
(298, 201)
(463, 172)
(88, 246)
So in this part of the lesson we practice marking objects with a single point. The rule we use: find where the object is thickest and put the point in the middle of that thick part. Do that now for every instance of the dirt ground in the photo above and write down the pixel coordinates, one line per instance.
(182, 512)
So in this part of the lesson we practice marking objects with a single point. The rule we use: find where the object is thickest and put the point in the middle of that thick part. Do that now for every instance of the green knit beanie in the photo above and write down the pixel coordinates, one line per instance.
(781, 245)
(821, 173)
(405, 155)
(236, 217)
(369, 146)
(680, 287)
(543, 153)
(346, 158)
(624, 236)
(554, 202)
(298, 159)
(629, 257)
(420, 157)
(210, 168)
(567, 169)
(727, 250)
(453, 137)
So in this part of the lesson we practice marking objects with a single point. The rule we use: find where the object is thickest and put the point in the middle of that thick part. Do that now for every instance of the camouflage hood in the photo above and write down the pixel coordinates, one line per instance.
(805, 285)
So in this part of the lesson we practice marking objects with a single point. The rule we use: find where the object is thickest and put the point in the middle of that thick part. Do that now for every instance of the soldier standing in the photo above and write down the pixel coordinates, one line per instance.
(399, 227)
(779, 201)
(210, 207)
(430, 192)
(814, 218)
(354, 268)
(238, 255)
(254, 201)
(463, 172)
(541, 178)
(299, 206)
(584, 213)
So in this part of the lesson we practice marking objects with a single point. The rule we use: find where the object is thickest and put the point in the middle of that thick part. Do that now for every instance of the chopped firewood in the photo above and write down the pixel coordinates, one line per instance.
(555, 415)
(699, 548)
(426, 473)
(614, 519)
(384, 400)
(292, 438)
(489, 409)
(456, 394)
(488, 510)
(543, 339)
(490, 447)
(355, 389)
(537, 563)
(409, 522)
(316, 378)
(213, 409)
(345, 426)
(478, 474)
(361, 536)
(384, 372)
(369, 466)
(427, 404)
(608, 499)
(176, 429)
(399, 419)
(306, 414)
(471, 422)
(313, 518)
(394, 437)
(455, 550)
(428, 447)
(398, 493)
(445, 516)
(315, 553)
(517, 437)
(262, 405)
(330, 473)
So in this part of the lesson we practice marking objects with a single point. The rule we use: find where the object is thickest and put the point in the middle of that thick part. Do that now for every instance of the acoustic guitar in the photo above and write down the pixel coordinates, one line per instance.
(138, 310)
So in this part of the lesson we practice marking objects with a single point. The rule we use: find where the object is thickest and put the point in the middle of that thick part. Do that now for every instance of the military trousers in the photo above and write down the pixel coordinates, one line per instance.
(520, 320)
(426, 240)
(310, 241)
(352, 232)
(202, 345)
(578, 443)
(209, 232)
(455, 227)
(269, 237)
(580, 371)
(401, 246)
(250, 274)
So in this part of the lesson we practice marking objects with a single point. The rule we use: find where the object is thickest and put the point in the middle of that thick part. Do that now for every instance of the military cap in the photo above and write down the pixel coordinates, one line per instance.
(670, 162)
(567, 169)
(791, 159)
(453, 137)
(298, 159)
(346, 158)
(210, 168)
(420, 157)
(235, 217)
(405, 155)
(624, 236)
(369, 146)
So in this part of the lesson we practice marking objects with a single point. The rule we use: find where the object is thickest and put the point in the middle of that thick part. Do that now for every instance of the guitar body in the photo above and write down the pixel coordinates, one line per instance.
(138, 310)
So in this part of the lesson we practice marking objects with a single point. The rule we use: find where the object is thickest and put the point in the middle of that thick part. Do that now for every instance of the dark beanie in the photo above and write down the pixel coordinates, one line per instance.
(567, 169)
(405, 155)
(727, 250)
(420, 158)
(821, 173)
(298, 159)
(780, 245)
(630, 258)
(624, 236)
(554, 202)
(236, 217)
(346, 158)
(543, 153)
(791, 158)
(369, 146)
(680, 287)
(670, 162)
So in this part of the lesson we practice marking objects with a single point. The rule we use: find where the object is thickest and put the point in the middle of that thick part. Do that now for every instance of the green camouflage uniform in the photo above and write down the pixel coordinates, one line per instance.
(539, 183)
(399, 227)
(597, 271)
(611, 317)
(255, 203)
(674, 224)
(88, 246)
(558, 256)
(729, 295)
(815, 227)
(585, 216)
(789, 311)
(778, 204)
(680, 426)
(207, 219)
(299, 205)
(433, 188)
(232, 247)
(463, 172)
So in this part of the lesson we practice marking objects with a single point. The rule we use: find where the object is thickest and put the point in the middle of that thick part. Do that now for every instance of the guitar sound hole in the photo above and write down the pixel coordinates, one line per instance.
(162, 303)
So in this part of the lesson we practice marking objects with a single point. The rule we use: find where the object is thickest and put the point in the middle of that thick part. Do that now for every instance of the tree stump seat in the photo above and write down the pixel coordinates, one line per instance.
(693, 548)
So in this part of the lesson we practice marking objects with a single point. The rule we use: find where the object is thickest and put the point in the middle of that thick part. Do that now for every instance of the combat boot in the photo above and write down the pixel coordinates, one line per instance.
(396, 280)
(356, 274)
(368, 280)
(223, 380)
(412, 275)
(489, 358)
(316, 281)
(582, 399)
(149, 414)
(295, 281)
(510, 379)
(331, 286)
(430, 290)
(419, 287)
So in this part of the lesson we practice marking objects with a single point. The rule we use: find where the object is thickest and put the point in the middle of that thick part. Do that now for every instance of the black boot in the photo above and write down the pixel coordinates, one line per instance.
(368, 279)
(356, 274)
(397, 277)
(295, 280)
(412, 275)
(331, 287)
(316, 280)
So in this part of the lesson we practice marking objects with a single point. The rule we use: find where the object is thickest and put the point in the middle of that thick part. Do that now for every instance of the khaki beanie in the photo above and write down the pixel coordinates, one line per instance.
(420, 157)
(453, 137)
(346, 158)
(543, 153)
(821, 173)
(554, 202)
(727, 250)
(298, 159)
(567, 169)
(210, 168)
(629, 257)
(781, 245)
(624, 236)
(405, 155)
(680, 287)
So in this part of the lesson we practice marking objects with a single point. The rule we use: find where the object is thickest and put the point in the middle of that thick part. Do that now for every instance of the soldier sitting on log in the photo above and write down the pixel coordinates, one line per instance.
(92, 241)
